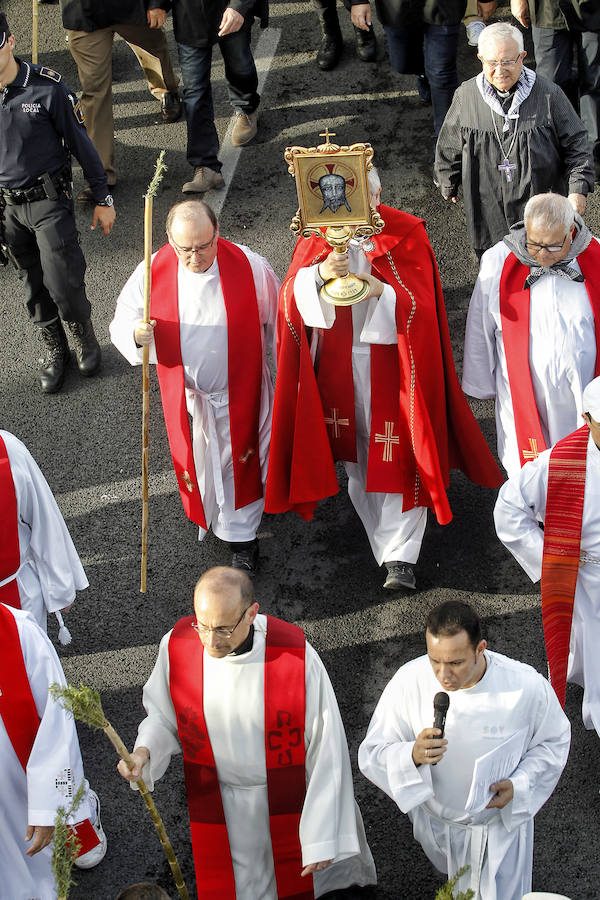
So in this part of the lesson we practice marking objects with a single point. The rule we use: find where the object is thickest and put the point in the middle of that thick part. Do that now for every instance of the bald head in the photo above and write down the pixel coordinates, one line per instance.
(224, 602)
(192, 229)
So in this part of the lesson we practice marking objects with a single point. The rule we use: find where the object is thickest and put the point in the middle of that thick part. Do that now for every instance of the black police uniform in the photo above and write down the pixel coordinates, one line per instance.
(40, 125)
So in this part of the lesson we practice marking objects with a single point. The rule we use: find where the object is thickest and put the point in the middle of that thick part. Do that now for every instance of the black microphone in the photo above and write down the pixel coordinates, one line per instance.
(441, 702)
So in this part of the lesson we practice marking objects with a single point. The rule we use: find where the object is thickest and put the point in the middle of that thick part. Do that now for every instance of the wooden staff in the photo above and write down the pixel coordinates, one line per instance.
(84, 704)
(159, 172)
(34, 32)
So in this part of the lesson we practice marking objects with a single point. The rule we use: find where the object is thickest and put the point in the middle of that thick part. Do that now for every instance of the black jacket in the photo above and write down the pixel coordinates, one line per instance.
(90, 15)
(196, 22)
(581, 15)
(407, 13)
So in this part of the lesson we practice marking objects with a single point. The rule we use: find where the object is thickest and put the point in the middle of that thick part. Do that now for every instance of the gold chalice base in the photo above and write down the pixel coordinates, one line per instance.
(345, 291)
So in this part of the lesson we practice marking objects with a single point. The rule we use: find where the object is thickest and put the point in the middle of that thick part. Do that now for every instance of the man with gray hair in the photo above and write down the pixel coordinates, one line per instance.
(212, 309)
(532, 325)
(509, 134)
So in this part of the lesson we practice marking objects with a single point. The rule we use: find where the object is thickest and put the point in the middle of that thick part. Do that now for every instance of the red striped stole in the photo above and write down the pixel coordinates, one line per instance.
(285, 760)
(514, 315)
(10, 554)
(562, 546)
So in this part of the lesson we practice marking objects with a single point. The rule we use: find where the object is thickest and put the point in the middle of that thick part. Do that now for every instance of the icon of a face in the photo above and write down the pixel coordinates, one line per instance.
(333, 191)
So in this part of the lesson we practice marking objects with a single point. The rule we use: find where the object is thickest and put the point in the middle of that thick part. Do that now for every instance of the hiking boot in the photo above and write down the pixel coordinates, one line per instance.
(86, 346)
(204, 180)
(366, 44)
(332, 44)
(54, 364)
(245, 128)
(400, 576)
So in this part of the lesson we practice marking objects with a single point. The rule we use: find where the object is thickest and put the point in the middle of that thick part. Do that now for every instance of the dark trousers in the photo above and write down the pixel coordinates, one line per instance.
(554, 56)
(327, 11)
(430, 50)
(42, 237)
(242, 82)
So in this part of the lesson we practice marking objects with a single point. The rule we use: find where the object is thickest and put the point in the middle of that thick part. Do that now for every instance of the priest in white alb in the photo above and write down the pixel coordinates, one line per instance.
(267, 770)
(41, 764)
(428, 772)
(561, 490)
(40, 570)
(532, 328)
(212, 318)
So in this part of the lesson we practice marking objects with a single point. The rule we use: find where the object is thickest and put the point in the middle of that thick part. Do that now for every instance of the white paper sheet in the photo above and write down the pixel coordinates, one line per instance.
(494, 766)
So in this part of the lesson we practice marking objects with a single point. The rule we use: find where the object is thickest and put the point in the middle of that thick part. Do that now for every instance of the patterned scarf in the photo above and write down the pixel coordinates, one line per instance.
(561, 269)
(523, 90)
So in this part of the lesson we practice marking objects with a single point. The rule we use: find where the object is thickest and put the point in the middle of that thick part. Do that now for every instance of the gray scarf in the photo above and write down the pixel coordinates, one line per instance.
(516, 239)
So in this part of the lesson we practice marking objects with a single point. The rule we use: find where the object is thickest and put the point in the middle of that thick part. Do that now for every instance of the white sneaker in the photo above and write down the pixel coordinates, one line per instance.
(96, 854)
(474, 29)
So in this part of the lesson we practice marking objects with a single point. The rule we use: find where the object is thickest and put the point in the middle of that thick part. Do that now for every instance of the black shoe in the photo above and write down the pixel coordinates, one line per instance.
(328, 54)
(400, 576)
(86, 346)
(245, 557)
(54, 365)
(366, 44)
(171, 107)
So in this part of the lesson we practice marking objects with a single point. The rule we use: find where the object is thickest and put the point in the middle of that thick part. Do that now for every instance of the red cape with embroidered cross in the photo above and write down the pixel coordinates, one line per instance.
(244, 371)
(19, 713)
(514, 314)
(10, 553)
(421, 422)
(284, 706)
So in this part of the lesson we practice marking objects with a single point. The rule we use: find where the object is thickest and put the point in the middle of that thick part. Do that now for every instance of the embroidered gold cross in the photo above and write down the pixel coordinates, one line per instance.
(185, 477)
(533, 453)
(249, 452)
(334, 421)
(389, 438)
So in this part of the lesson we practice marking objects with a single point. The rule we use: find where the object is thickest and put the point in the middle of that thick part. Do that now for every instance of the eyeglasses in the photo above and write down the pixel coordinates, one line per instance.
(534, 249)
(500, 63)
(220, 631)
(200, 249)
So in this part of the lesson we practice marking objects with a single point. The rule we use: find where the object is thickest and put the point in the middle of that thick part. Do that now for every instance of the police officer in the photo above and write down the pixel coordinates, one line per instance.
(40, 125)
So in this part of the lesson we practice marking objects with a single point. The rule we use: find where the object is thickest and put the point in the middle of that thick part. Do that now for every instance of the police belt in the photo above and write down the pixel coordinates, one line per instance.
(61, 181)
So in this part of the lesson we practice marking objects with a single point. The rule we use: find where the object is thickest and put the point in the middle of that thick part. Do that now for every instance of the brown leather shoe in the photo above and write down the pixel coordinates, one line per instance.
(245, 128)
(204, 180)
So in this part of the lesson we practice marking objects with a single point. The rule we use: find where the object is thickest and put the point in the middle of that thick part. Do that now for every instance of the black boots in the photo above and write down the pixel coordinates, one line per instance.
(328, 54)
(86, 346)
(366, 45)
(56, 360)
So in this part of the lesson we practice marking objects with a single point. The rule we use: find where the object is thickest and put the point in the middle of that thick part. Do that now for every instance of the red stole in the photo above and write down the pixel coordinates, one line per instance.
(284, 751)
(562, 545)
(514, 313)
(10, 555)
(244, 347)
(19, 712)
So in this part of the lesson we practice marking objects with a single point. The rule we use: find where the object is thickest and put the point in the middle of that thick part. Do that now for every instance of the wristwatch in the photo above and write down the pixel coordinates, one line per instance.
(108, 201)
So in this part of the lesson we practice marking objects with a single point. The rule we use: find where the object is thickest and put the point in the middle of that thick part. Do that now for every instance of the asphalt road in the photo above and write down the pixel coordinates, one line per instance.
(322, 575)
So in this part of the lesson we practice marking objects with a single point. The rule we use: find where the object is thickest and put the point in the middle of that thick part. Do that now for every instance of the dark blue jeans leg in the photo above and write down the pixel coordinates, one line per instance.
(440, 47)
(405, 48)
(202, 138)
(240, 70)
(589, 86)
(554, 59)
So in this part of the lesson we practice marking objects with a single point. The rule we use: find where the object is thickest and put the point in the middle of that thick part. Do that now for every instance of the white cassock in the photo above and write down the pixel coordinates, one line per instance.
(204, 352)
(50, 570)
(393, 534)
(54, 772)
(521, 505)
(496, 844)
(562, 352)
(331, 826)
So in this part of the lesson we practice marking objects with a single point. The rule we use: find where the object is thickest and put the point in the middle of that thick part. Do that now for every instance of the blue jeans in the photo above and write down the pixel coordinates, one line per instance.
(429, 50)
(242, 81)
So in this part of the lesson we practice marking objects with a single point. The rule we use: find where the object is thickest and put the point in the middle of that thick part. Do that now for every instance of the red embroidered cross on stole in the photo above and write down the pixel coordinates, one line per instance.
(562, 547)
(514, 313)
(10, 555)
(244, 346)
(285, 759)
(19, 712)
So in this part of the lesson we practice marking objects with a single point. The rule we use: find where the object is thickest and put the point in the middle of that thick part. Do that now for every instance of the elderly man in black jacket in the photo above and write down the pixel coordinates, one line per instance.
(91, 29)
(198, 27)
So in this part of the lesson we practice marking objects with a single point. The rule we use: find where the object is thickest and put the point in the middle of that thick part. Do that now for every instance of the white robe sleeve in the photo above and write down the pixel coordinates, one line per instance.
(45, 543)
(479, 367)
(537, 774)
(158, 731)
(521, 500)
(385, 755)
(328, 825)
(55, 755)
(129, 311)
(267, 287)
